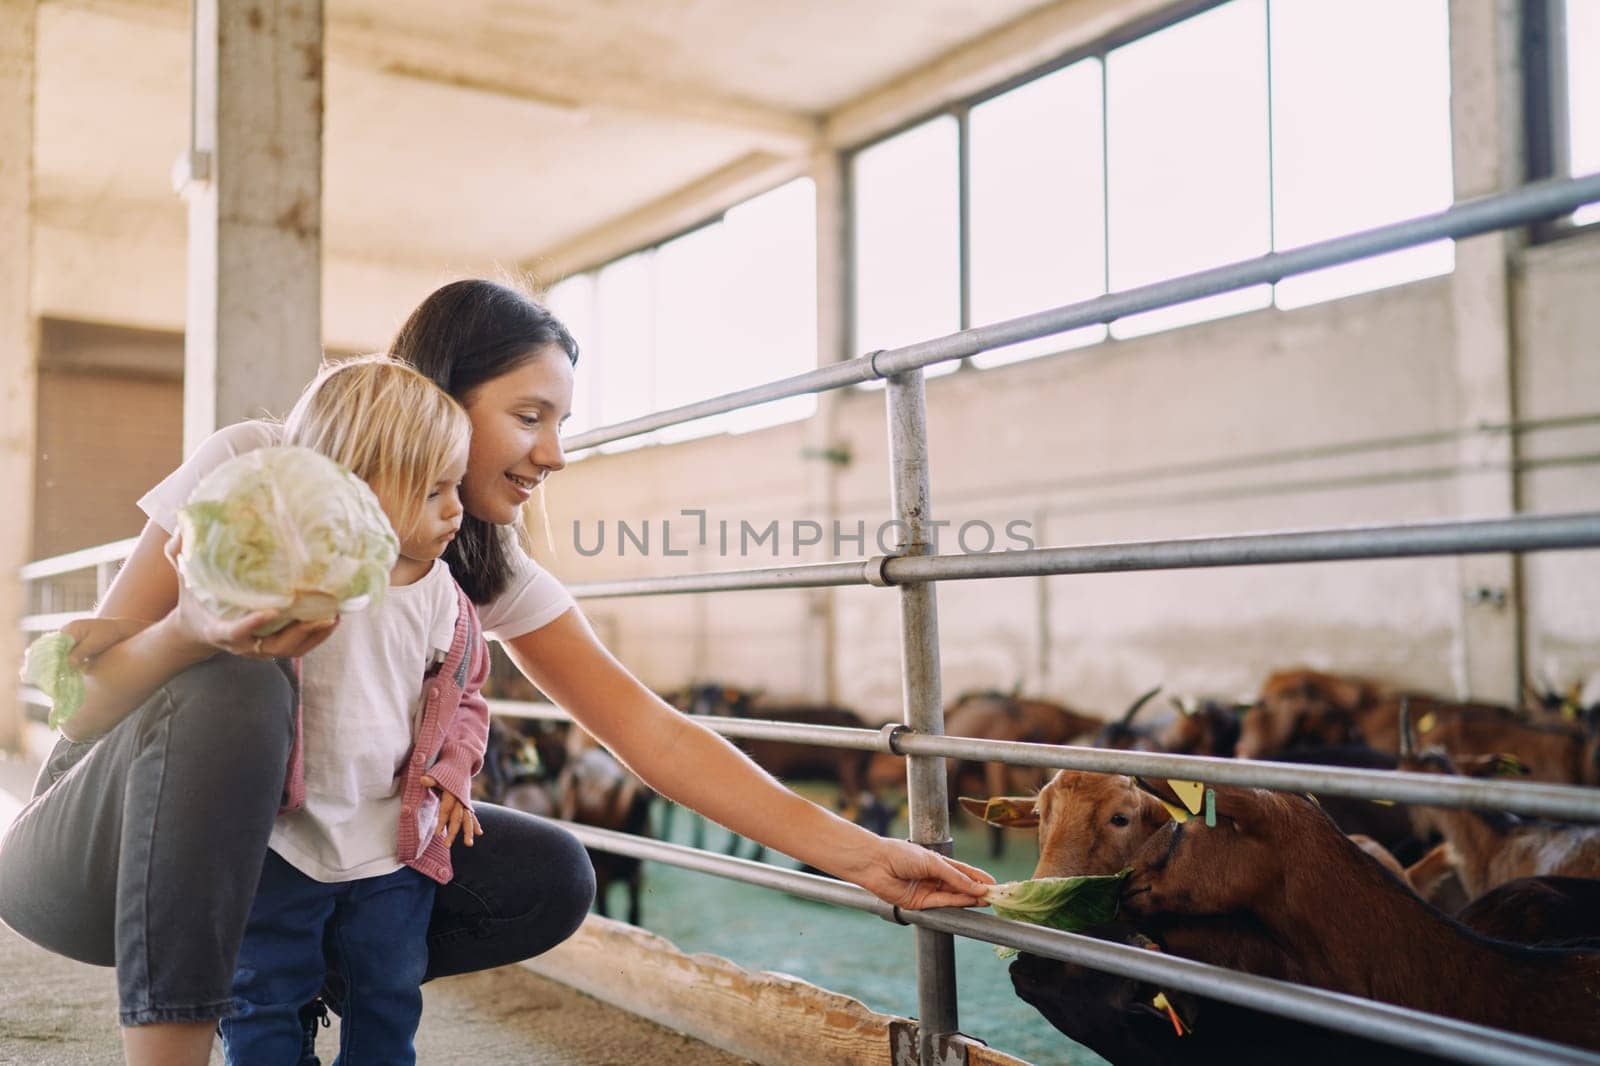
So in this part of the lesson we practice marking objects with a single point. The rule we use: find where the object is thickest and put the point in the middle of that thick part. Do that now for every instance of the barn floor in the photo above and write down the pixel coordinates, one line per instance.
(55, 1011)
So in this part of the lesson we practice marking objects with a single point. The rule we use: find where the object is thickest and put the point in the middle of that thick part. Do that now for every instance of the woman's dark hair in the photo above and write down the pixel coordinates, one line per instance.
(462, 335)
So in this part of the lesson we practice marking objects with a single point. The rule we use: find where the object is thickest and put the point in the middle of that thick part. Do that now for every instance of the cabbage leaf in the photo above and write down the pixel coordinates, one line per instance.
(1072, 904)
(47, 668)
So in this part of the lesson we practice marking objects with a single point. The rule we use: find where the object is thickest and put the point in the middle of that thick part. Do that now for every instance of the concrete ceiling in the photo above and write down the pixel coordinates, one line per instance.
(462, 137)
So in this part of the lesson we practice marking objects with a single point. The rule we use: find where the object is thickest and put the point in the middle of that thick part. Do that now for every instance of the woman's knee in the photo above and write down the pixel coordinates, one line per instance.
(248, 703)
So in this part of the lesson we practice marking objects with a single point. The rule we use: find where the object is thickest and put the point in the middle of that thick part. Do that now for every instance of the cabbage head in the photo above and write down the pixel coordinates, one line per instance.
(285, 528)
(47, 669)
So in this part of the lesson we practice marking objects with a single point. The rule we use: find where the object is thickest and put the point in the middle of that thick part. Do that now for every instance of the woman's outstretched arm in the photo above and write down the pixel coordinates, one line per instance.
(690, 764)
(145, 632)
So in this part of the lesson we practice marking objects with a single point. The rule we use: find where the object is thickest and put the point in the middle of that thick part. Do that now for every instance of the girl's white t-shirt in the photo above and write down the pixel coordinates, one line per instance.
(361, 689)
(360, 705)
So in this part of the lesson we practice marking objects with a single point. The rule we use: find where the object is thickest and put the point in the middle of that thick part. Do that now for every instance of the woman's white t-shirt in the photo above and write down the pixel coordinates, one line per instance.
(361, 689)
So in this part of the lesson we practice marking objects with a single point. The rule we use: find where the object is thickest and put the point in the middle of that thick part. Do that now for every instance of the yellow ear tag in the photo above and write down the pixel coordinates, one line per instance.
(1161, 1003)
(1190, 792)
(1426, 723)
(1383, 803)
(1179, 815)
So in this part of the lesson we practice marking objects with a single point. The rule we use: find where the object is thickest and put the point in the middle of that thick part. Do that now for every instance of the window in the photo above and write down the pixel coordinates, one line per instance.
(723, 307)
(1374, 150)
(1186, 159)
(907, 239)
(1038, 205)
(1582, 35)
(1232, 132)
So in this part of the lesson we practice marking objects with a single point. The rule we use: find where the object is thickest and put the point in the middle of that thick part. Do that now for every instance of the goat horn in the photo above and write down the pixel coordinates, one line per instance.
(1127, 716)
(1407, 742)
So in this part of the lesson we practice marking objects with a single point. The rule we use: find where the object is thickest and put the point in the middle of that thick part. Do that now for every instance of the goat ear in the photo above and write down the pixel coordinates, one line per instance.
(1009, 812)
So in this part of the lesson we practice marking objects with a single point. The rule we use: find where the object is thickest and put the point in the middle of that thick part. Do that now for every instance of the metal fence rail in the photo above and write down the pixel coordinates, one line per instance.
(914, 569)
(1535, 202)
(1551, 532)
(1385, 786)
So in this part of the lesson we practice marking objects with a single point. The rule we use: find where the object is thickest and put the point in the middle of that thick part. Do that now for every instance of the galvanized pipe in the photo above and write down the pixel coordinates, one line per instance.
(923, 699)
(1397, 1025)
(1532, 798)
(1472, 536)
(1534, 202)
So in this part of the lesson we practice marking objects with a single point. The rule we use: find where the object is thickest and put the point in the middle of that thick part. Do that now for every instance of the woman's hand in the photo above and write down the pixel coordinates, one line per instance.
(236, 636)
(914, 878)
(91, 636)
(454, 816)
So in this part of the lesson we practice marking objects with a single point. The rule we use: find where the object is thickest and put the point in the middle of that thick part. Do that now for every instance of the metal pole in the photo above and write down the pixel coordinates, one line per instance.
(924, 702)
(1518, 533)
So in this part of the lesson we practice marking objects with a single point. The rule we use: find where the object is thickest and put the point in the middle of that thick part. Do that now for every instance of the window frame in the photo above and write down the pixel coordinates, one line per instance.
(962, 107)
(1546, 119)
(718, 216)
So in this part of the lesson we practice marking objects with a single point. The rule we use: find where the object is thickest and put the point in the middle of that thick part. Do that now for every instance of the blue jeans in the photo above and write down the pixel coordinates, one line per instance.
(374, 932)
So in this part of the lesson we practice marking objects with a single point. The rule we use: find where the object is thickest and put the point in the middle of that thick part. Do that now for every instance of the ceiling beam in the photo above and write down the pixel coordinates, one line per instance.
(437, 57)
(1014, 49)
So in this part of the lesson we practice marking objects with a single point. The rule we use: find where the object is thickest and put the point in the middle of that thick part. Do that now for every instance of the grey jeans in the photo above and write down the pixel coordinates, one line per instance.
(142, 850)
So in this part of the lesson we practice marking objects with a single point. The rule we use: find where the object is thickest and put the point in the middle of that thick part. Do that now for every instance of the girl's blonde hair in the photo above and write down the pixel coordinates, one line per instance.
(388, 424)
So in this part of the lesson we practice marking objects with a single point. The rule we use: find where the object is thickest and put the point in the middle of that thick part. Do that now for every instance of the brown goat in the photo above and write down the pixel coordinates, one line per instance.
(1088, 823)
(1212, 728)
(1093, 824)
(595, 789)
(1433, 878)
(1548, 750)
(1305, 708)
(1280, 862)
(1487, 848)
(993, 716)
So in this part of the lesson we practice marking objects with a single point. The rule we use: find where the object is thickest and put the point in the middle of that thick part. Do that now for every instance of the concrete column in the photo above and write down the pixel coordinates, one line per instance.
(822, 437)
(1486, 118)
(254, 186)
(19, 342)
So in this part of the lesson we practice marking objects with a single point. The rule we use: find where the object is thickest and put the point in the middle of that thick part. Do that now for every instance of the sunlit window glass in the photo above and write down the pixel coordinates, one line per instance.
(1583, 95)
(769, 307)
(736, 307)
(624, 333)
(1350, 153)
(572, 301)
(691, 344)
(1186, 112)
(1037, 205)
(907, 240)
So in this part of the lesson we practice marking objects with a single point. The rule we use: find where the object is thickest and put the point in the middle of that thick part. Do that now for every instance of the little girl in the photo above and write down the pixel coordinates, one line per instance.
(392, 729)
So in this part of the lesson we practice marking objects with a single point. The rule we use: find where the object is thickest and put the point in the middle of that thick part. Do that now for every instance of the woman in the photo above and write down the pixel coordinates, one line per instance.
(124, 856)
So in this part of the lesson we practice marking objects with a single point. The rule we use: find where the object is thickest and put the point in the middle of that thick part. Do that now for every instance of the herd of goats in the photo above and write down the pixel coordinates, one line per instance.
(1487, 917)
